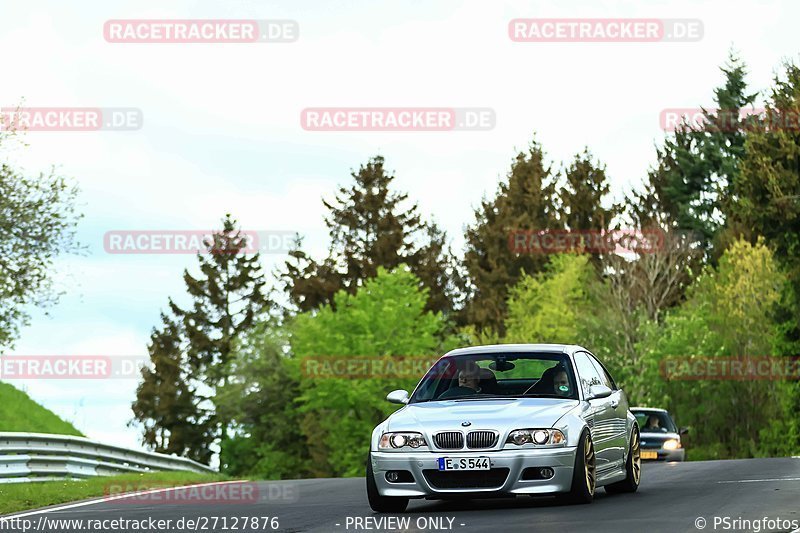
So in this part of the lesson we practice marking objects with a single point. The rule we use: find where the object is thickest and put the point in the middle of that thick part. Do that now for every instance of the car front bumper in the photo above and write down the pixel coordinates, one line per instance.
(426, 484)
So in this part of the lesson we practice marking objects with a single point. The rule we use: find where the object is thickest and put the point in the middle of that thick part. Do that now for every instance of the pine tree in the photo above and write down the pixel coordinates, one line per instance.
(434, 264)
(309, 284)
(582, 197)
(192, 351)
(166, 406)
(370, 226)
(227, 297)
(766, 193)
(690, 186)
(525, 201)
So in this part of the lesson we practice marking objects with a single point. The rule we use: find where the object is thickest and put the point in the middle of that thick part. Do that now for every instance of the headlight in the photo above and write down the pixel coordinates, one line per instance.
(393, 441)
(541, 437)
(672, 444)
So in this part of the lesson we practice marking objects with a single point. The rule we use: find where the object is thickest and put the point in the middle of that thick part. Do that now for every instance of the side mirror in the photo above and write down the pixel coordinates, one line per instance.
(398, 396)
(597, 392)
(683, 431)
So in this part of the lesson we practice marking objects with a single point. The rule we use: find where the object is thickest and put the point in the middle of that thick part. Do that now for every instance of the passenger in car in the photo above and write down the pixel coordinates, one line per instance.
(561, 383)
(551, 382)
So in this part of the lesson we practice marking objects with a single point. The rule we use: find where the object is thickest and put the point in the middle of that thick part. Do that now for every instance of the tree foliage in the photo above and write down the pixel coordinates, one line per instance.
(38, 216)
(524, 201)
(191, 353)
(766, 193)
(371, 226)
(552, 306)
(386, 317)
(585, 190)
(691, 185)
(169, 408)
(260, 399)
(729, 314)
(722, 282)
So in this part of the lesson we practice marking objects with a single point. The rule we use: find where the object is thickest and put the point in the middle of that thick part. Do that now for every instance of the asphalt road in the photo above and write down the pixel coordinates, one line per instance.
(672, 497)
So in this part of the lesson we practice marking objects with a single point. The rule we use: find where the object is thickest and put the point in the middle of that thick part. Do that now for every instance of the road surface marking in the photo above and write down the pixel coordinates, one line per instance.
(761, 480)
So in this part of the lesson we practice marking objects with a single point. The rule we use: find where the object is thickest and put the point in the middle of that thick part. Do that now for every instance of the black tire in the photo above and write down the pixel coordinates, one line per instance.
(633, 468)
(584, 474)
(378, 503)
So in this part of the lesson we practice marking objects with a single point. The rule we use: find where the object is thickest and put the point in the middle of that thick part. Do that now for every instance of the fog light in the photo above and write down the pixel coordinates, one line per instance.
(392, 477)
(546, 473)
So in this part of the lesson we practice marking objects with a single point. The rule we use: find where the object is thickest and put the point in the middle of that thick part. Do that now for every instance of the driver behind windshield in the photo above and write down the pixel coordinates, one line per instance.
(468, 382)
(653, 424)
(470, 377)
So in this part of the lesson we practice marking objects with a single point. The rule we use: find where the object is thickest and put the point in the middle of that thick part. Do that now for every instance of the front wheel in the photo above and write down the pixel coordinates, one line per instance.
(633, 468)
(584, 476)
(378, 503)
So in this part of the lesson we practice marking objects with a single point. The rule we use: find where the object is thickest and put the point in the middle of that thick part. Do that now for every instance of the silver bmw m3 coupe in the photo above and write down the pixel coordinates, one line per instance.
(506, 420)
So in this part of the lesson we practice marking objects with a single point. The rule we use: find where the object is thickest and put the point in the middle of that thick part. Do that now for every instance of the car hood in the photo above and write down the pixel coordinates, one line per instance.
(499, 414)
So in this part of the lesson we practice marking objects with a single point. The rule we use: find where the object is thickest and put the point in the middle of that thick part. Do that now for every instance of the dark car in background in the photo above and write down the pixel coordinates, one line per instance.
(661, 438)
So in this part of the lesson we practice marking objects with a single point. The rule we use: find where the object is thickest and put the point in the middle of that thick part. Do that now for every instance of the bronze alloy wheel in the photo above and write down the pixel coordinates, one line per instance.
(589, 464)
(636, 458)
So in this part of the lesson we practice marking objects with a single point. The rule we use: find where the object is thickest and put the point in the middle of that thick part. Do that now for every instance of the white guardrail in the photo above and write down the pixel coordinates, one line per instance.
(26, 457)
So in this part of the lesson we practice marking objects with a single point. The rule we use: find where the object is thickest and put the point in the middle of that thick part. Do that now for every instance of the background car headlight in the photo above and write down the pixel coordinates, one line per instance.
(393, 441)
(672, 444)
(541, 437)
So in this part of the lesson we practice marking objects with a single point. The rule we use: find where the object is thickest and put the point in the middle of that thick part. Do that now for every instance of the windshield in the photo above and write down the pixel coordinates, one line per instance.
(498, 375)
(654, 421)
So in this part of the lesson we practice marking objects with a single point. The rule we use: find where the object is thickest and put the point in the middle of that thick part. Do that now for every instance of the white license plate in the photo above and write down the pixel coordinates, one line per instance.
(464, 463)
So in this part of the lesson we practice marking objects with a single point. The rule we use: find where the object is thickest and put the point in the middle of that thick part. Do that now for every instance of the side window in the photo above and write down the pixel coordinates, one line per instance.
(604, 377)
(587, 373)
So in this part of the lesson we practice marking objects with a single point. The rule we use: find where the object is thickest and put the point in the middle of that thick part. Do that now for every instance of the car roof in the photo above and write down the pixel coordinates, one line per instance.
(523, 348)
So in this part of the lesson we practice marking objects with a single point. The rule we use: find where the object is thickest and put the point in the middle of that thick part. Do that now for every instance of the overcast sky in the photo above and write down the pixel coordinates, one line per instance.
(222, 131)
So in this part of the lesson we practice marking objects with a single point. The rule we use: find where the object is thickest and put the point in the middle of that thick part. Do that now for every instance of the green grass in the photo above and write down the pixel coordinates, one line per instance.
(19, 413)
(15, 497)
